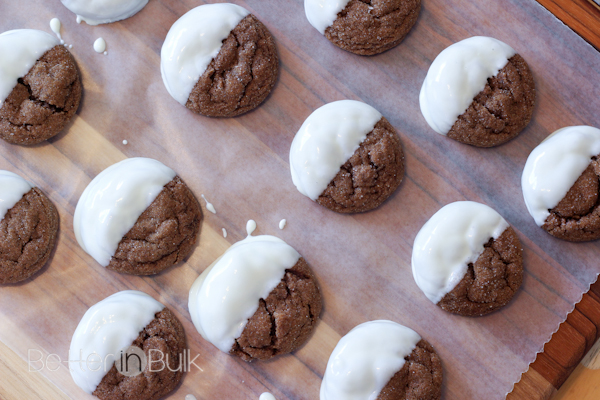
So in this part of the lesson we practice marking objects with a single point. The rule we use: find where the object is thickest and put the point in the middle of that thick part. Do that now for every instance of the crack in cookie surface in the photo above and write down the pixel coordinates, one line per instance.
(27, 236)
(241, 76)
(491, 281)
(285, 319)
(163, 235)
(501, 110)
(577, 216)
(371, 27)
(419, 378)
(43, 101)
(370, 176)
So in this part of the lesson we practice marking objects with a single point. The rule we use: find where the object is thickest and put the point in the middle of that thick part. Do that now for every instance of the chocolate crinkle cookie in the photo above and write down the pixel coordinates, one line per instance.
(241, 76)
(43, 101)
(163, 235)
(370, 176)
(369, 27)
(285, 319)
(491, 281)
(164, 336)
(27, 236)
(577, 215)
(501, 110)
(420, 377)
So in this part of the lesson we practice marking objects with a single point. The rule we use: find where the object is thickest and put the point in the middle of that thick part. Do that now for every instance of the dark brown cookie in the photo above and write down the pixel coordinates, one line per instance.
(27, 236)
(163, 336)
(285, 319)
(577, 216)
(370, 176)
(241, 76)
(44, 100)
(163, 235)
(490, 282)
(420, 377)
(501, 110)
(369, 27)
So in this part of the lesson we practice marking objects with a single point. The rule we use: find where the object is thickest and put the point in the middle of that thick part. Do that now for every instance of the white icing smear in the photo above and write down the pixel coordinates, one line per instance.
(266, 396)
(99, 45)
(227, 293)
(105, 329)
(250, 227)
(322, 13)
(209, 205)
(20, 49)
(113, 201)
(12, 189)
(282, 223)
(365, 360)
(457, 75)
(326, 140)
(96, 12)
(555, 165)
(192, 42)
(55, 26)
(449, 241)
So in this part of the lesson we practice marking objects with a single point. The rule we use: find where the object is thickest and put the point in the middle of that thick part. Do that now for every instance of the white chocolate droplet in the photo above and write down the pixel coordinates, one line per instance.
(282, 223)
(209, 205)
(266, 396)
(99, 45)
(125, 141)
(224, 232)
(55, 26)
(250, 227)
(190, 397)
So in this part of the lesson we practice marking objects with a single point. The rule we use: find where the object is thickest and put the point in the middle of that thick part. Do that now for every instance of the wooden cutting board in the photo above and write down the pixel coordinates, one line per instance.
(362, 261)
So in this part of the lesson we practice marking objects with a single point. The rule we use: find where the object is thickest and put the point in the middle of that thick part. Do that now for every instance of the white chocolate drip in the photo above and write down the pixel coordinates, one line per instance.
(250, 227)
(209, 205)
(282, 223)
(267, 396)
(99, 45)
(55, 26)
(224, 232)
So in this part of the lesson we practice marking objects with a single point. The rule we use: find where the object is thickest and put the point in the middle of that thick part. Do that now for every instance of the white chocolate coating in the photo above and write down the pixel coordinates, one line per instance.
(449, 241)
(113, 201)
(192, 42)
(555, 165)
(322, 13)
(20, 49)
(108, 327)
(366, 359)
(12, 189)
(457, 75)
(227, 293)
(96, 12)
(326, 140)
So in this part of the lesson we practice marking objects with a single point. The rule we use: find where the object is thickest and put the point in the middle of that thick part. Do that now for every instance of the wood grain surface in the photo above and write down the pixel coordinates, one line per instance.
(583, 16)
(362, 261)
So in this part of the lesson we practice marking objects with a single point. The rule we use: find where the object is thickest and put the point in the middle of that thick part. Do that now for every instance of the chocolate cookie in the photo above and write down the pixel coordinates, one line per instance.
(370, 176)
(501, 110)
(285, 319)
(43, 101)
(419, 378)
(241, 76)
(164, 235)
(27, 236)
(491, 281)
(164, 336)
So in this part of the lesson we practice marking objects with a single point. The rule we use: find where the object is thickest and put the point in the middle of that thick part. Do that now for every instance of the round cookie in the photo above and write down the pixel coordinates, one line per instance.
(219, 60)
(148, 330)
(561, 184)
(382, 360)
(347, 157)
(363, 27)
(258, 300)
(467, 259)
(137, 217)
(40, 87)
(103, 11)
(478, 91)
(28, 227)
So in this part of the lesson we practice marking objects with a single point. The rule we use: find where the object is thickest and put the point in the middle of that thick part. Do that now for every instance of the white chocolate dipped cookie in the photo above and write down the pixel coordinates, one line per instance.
(219, 60)
(560, 183)
(467, 259)
(29, 224)
(117, 345)
(347, 157)
(372, 362)
(95, 12)
(258, 300)
(40, 87)
(137, 217)
(478, 91)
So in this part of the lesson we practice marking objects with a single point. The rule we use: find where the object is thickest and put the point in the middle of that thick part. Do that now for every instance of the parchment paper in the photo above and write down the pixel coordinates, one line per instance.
(362, 261)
